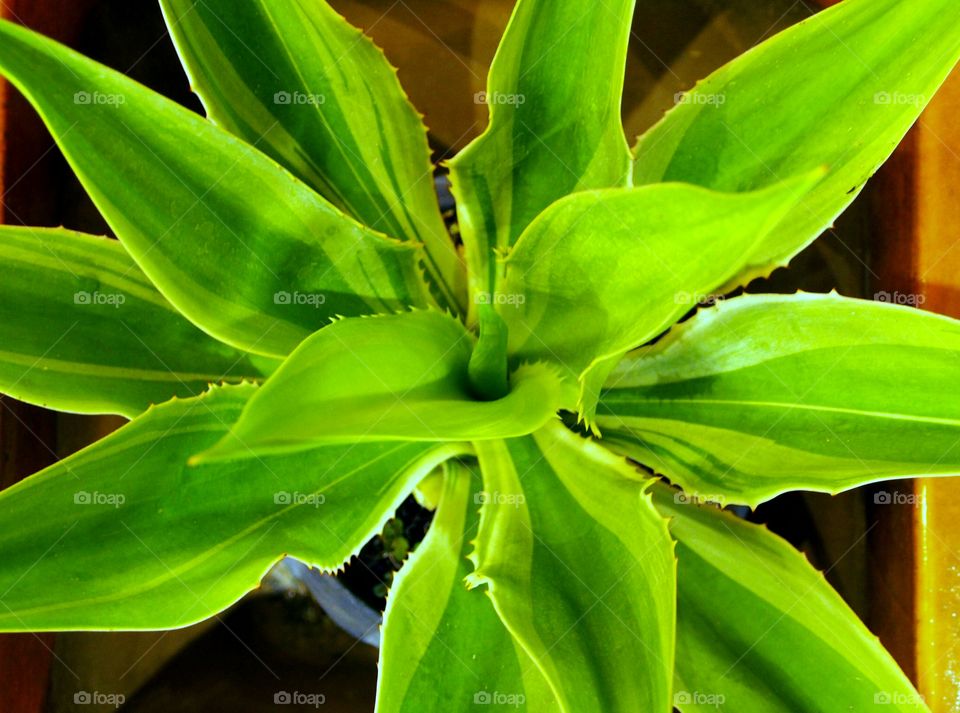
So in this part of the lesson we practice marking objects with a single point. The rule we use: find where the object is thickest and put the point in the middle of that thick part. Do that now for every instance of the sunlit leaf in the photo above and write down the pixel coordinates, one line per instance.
(82, 329)
(399, 377)
(580, 568)
(839, 89)
(548, 136)
(603, 272)
(123, 535)
(759, 630)
(236, 243)
(766, 394)
(443, 646)
(298, 82)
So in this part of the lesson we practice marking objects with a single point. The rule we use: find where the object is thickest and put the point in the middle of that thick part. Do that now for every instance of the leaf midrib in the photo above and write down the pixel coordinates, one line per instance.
(788, 406)
(73, 368)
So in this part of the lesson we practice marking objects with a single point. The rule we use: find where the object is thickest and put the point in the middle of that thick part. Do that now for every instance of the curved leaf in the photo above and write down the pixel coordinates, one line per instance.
(297, 81)
(762, 395)
(82, 329)
(839, 89)
(548, 136)
(443, 646)
(123, 535)
(759, 630)
(397, 377)
(580, 568)
(237, 244)
(602, 272)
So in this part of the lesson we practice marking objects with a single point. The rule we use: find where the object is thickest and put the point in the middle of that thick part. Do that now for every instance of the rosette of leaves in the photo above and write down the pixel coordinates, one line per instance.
(299, 345)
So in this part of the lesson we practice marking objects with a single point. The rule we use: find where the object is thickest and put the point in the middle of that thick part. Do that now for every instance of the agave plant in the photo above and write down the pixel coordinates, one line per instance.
(299, 344)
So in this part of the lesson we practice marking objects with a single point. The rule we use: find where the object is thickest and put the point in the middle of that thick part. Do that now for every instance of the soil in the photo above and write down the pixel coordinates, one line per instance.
(370, 574)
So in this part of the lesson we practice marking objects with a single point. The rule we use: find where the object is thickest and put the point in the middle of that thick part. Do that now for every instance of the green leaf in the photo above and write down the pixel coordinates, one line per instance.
(489, 367)
(580, 568)
(759, 630)
(83, 330)
(763, 395)
(602, 272)
(123, 535)
(839, 89)
(297, 81)
(550, 133)
(236, 243)
(443, 646)
(397, 377)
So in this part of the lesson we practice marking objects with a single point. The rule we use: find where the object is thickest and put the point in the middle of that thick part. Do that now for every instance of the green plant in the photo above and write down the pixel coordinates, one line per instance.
(290, 246)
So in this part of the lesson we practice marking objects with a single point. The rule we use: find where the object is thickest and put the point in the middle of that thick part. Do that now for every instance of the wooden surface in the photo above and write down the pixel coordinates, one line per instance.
(935, 274)
(917, 547)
